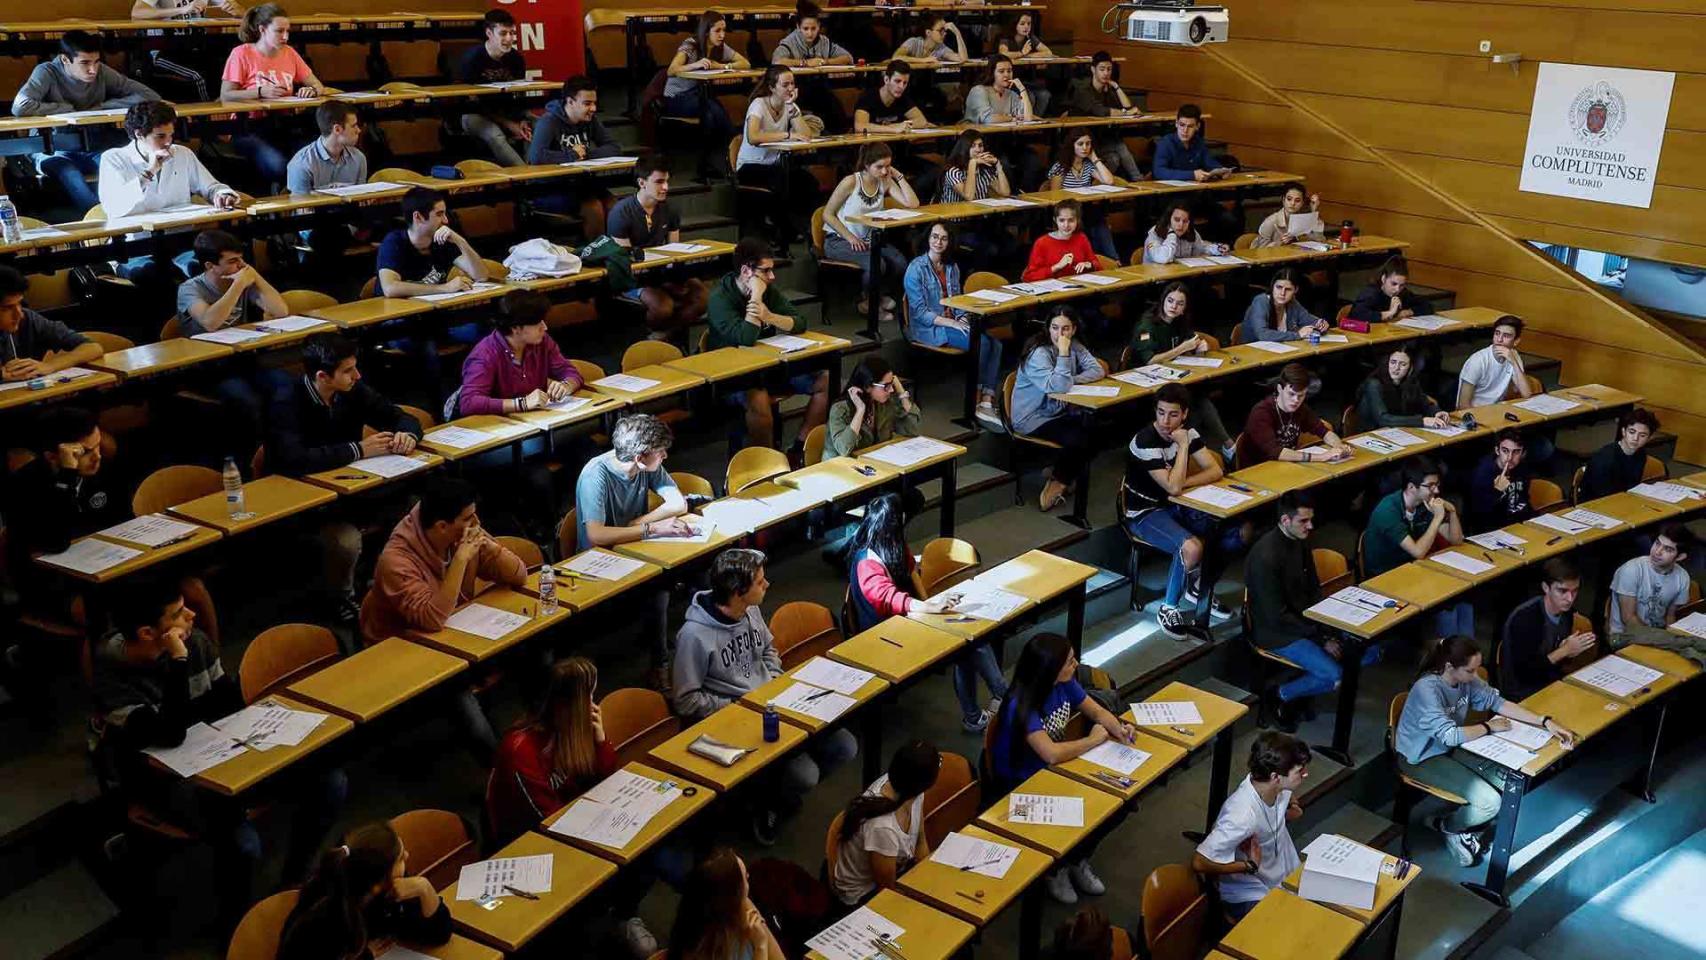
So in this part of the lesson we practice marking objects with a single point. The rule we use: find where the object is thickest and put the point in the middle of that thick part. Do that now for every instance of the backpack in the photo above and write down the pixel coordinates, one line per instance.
(616, 260)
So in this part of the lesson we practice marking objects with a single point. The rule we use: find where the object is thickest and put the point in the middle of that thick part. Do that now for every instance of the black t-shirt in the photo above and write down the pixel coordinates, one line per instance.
(628, 222)
(1147, 452)
(871, 101)
(477, 66)
(399, 253)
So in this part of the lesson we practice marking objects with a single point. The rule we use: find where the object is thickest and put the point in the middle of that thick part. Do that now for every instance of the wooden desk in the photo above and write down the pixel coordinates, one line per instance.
(670, 553)
(1422, 585)
(1284, 926)
(763, 493)
(1669, 661)
(267, 500)
(374, 310)
(1495, 416)
(1697, 480)
(477, 649)
(552, 419)
(252, 766)
(1583, 711)
(153, 359)
(1540, 543)
(515, 921)
(368, 683)
(1038, 576)
(471, 297)
(930, 933)
(756, 699)
(274, 338)
(726, 363)
(1056, 841)
(55, 388)
(825, 343)
(679, 811)
(1598, 396)
(1163, 756)
(1376, 625)
(1638, 511)
(1503, 562)
(969, 628)
(670, 382)
(897, 649)
(1262, 485)
(1387, 889)
(971, 896)
(1359, 460)
(734, 724)
(458, 948)
(839, 477)
(201, 537)
(582, 593)
(548, 284)
(1218, 713)
(502, 431)
(1652, 691)
(349, 479)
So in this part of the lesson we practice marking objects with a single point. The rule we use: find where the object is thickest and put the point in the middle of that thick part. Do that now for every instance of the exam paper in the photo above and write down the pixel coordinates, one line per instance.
(1497, 540)
(92, 114)
(814, 702)
(986, 857)
(1463, 562)
(1617, 675)
(602, 162)
(1195, 261)
(480, 287)
(992, 296)
(1095, 189)
(1312, 245)
(569, 404)
(459, 438)
(490, 879)
(1186, 360)
(1428, 322)
(737, 515)
(488, 623)
(1303, 224)
(984, 601)
(602, 565)
(701, 527)
(1401, 437)
(626, 383)
(1178, 183)
(90, 556)
(1271, 346)
(1138, 378)
(1340, 871)
(1553, 521)
(1116, 756)
(830, 675)
(613, 813)
(788, 343)
(1500, 751)
(293, 323)
(1334, 338)
(1045, 810)
(388, 465)
(908, 452)
(1694, 624)
(360, 189)
(1666, 492)
(1592, 519)
(1088, 390)
(1094, 279)
(1450, 431)
(681, 247)
(1546, 404)
(854, 936)
(1163, 372)
(203, 749)
(230, 336)
(1161, 713)
(1003, 202)
(1374, 444)
(267, 724)
(896, 215)
(1525, 735)
(1228, 260)
(152, 530)
(1349, 614)
(1039, 287)
(1214, 496)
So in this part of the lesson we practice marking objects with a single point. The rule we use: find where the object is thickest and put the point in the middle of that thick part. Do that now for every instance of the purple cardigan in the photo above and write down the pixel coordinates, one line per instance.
(491, 374)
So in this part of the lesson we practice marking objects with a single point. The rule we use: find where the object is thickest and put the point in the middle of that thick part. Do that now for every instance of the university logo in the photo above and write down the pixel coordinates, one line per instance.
(1597, 114)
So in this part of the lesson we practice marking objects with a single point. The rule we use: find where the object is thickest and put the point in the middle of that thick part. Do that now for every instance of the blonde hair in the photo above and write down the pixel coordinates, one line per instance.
(565, 719)
(255, 20)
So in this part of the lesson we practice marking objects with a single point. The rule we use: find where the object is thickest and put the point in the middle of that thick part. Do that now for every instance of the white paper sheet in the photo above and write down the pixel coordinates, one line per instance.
(364, 95)
(1546, 404)
(1216, 496)
(1401, 437)
(825, 705)
(203, 748)
(1315, 246)
(984, 601)
(1045, 810)
(602, 162)
(1349, 614)
(1429, 322)
(1003, 202)
(1694, 624)
(1500, 751)
(1178, 183)
(1525, 735)
(830, 675)
(1462, 561)
(1497, 540)
(361, 189)
(614, 812)
(1163, 372)
(460, 438)
(626, 383)
(682, 247)
(854, 936)
(737, 515)
(1195, 261)
(292, 324)
(230, 336)
(972, 855)
(92, 114)
(701, 527)
(1303, 224)
(1666, 492)
(1116, 756)
(1095, 189)
(1039, 287)
(1138, 378)
(1334, 338)
(1186, 360)
(1618, 676)
(1553, 521)
(1452, 431)
(791, 501)
(490, 879)
(1374, 444)
(1162, 713)
(267, 724)
(151, 530)
(480, 287)
(788, 343)
(569, 404)
(388, 465)
(1090, 390)
(1271, 346)
(992, 296)
(488, 623)
(896, 215)
(908, 452)
(1592, 519)
(602, 565)
(90, 556)
(1361, 597)
(1094, 279)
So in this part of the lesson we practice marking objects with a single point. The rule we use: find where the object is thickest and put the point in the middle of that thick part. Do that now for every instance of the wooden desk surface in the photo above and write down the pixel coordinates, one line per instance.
(1360, 459)
(373, 310)
(1503, 562)
(1583, 711)
(930, 933)
(1284, 926)
(1694, 480)
(370, 682)
(725, 363)
(679, 811)
(1540, 543)
(547, 284)
(736, 725)
(1636, 510)
(670, 381)
(1387, 888)
(1038, 576)
(267, 499)
(1056, 841)
(516, 920)
(825, 343)
(1496, 416)
(24, 396)
(756, 699)
(839, 477)
(1598, 395)
(969, 895)
(1421, 584)
(582, 593)
(910, 648)
(458, 948)
(1218, 713)
(252, 766)
(476, 649)
(1652, 691)
(151, 359)
(502, 432)
(150, 556)
(1669, 661)
(551, 419)
(1163, 756)
(763, 493)
(967, 627)
(669, 553)
(349, 479)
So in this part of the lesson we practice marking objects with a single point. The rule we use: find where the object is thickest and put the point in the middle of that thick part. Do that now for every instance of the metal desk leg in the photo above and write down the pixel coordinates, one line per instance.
(1031, 922)
(1218, 777)
(1075, 617)
(950, 497)
(874, 289)
(1504, 838)
(1081, 501)
(1395, 916)
(974, 352)
(1350, 663)
(1642, 784)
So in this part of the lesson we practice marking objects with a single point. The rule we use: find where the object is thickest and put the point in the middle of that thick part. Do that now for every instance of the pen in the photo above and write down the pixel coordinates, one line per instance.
(1178, 729)
(959, 620)
(180, 538)
(974, 866)
(969, 896)
(1486, 556)
(1554, 540)
(814, 696)
(523, 894)
(1123, 783)
(349, 476)
(892, 643)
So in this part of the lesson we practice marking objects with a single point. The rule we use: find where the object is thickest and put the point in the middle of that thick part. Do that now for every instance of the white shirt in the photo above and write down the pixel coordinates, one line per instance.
(171, 5)
(756, 153)
(1654, 592)
(882, 835)
(123, 192)
(1490, 376)
(1243, 816)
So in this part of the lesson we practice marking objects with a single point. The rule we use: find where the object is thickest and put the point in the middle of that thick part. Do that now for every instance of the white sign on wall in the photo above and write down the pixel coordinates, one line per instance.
(1596, 133)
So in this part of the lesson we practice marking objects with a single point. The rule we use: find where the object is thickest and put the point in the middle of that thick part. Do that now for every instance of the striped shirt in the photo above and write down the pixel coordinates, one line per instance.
(1147, 452)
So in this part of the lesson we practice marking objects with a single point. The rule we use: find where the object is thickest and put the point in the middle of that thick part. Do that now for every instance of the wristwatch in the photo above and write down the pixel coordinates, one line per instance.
(1250, 866)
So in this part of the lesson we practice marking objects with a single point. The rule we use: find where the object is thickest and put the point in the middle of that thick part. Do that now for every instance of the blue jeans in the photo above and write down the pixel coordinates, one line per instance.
(1459, 618)
(270, 162)
(805, 767)
(715, 127)
(988, 350)
(68, 168)
(979, 661)
(425, 352)
(1320, 671)
(837, 248)
(800, 384)
(1168, 528)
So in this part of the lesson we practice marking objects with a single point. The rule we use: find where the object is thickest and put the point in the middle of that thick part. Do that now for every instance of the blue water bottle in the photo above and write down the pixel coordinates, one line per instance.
(772, 723)
(1314, 336)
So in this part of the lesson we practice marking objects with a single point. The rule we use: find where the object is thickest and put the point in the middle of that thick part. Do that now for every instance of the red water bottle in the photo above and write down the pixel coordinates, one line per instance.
(1345, 234)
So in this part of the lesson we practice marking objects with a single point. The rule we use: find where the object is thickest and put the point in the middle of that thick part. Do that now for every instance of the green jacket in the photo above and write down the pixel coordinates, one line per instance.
(726, 315)
(883, 421)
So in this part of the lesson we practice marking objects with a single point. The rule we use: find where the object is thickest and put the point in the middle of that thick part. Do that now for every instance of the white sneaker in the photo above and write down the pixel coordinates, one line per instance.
(1086, 880)
(988, 416)
(1060, 887)
(639, 940)
(888, 303)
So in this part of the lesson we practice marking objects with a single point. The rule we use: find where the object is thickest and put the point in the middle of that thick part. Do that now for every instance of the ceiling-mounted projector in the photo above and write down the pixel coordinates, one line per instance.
(1180, 23)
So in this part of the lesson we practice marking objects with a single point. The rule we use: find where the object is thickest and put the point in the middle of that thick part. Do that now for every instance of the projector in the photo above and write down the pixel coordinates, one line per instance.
(1176, 24)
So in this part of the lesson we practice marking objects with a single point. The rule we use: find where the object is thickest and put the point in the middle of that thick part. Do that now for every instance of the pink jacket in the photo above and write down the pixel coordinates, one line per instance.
(406, 580)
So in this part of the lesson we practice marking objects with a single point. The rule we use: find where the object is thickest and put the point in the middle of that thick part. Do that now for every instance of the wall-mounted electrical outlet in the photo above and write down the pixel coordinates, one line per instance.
(1486, 46)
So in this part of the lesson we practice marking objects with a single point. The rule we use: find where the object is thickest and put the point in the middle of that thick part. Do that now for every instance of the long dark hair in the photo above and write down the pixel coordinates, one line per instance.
(1041, 339)
(1033, 679)
(1404, 397)
(707, 20)
(912, 770)
(1276, 311)
(256, 19)
(883, 532)
(960, 155)
(1067, 155)
(1164, 225)
(564, 719)
(338, 891)
(1453, 651)
(708, 921)
(1157, 310)
(767, 83)
(995, 60)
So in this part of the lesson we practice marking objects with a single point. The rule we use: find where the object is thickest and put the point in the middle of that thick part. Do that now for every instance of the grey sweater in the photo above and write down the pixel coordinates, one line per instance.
(1044, 372)
(51, 90)
(1433, 716)
(717, 659)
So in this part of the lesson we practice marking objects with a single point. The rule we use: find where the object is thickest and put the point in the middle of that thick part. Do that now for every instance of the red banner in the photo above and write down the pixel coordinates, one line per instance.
(553, 36)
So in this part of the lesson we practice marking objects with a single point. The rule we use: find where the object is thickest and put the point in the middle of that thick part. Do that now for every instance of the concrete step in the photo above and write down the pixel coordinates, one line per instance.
(58, 915)
(1349, 820)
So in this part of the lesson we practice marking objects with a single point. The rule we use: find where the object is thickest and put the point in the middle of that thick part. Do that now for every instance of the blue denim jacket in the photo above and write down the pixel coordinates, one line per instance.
(924, 296)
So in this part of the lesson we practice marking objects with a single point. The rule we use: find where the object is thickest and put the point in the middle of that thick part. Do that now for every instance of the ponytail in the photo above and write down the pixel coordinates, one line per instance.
(1453, 651)
(255, 19)
(335, 896)
(767, 83)
(912, 771)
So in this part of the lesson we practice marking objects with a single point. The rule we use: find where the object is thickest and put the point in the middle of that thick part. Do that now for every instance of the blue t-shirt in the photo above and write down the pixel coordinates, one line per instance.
(397, 252)
(1056, 711)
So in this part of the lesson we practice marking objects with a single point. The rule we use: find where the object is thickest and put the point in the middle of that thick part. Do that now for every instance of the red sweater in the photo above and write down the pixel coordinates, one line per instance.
(879, 597)
(1047, 251)
(525, 790)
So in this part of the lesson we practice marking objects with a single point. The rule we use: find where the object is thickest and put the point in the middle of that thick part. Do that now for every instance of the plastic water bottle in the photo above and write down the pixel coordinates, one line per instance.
(547, 591)
(234, 504)
(772, 723)
(1314, 336)
(9, 228)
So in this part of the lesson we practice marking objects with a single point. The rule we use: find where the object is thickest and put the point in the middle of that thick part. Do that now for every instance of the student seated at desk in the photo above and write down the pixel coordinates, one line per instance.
(360, 898)
(882, 829)
(686, 97)
(1645, 592)
(59, 495)
(1182, 155)
(1277, 315)
(1410, 523)
(972, 172)
(1064, 251)
(774, 115)
(1494, 371)
(1175, 236)
(1165, 332)
(1276, 425)
(745, 307)
(1164, 459)
(1029, 734)
(1613, 468)
(1100, 95)
(645, 219)
(930, 45)
(808, 46)
(1434, 721)
(418, 259)
(873, 182)
(155, 676)
(77, 80)
(931, 278)
(567, 131)
(228, 292)
(1052, 360)
(716, 919)
(1076, 165)
(1392, 394)
(1250, 850)
(1000, 97)
(1281, 582)
(265, 67)
(876, 408)
(427, 570)
(332, 159)
(27, 337)
(725, 650)
(1277, 230)
(1500, 485)
(190, 68)
(1023, 42)
(315, 424)
(610, 509)
(1088, 935)
(886, 107)
(497, 59)
(1388, 297)
(1540, 643)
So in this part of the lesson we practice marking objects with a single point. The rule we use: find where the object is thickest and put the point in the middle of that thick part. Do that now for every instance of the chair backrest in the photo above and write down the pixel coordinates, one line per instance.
(814, 444)
(1106, 262)
(172, 329)
(110, 342)
(817, 233)
(832, 843)
(1344, 312)
(1654, 469)
(983, 280)
(526, 549)
(801, 630)
(953, 800)
(1210, 339)
(588, 370)
(96, 212)
(170, 486)
(302, 301)
(1350, 422)
(645, 353)
(945, 562)
(256, 936)
(753, 465)
(282, 655)
(568, 535)
(1394, 710)
(1576, 483)
(734, 159)
(1544, 495)
(1175, 909)
(1238, 333)
(370, 288)
(425, 417)
(636, 720)
(1244, 242)
(1332, 569)
(438, 844)
(1007, 399)
(692, 485)
(470, 167)
(395, 175)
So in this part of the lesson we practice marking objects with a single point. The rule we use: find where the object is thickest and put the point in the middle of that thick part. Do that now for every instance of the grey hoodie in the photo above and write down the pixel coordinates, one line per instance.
(555, 137)
(718, 659)
(51, 90)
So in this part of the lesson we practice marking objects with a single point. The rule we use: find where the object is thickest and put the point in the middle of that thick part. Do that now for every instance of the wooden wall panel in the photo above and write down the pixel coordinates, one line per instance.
(118, 9)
